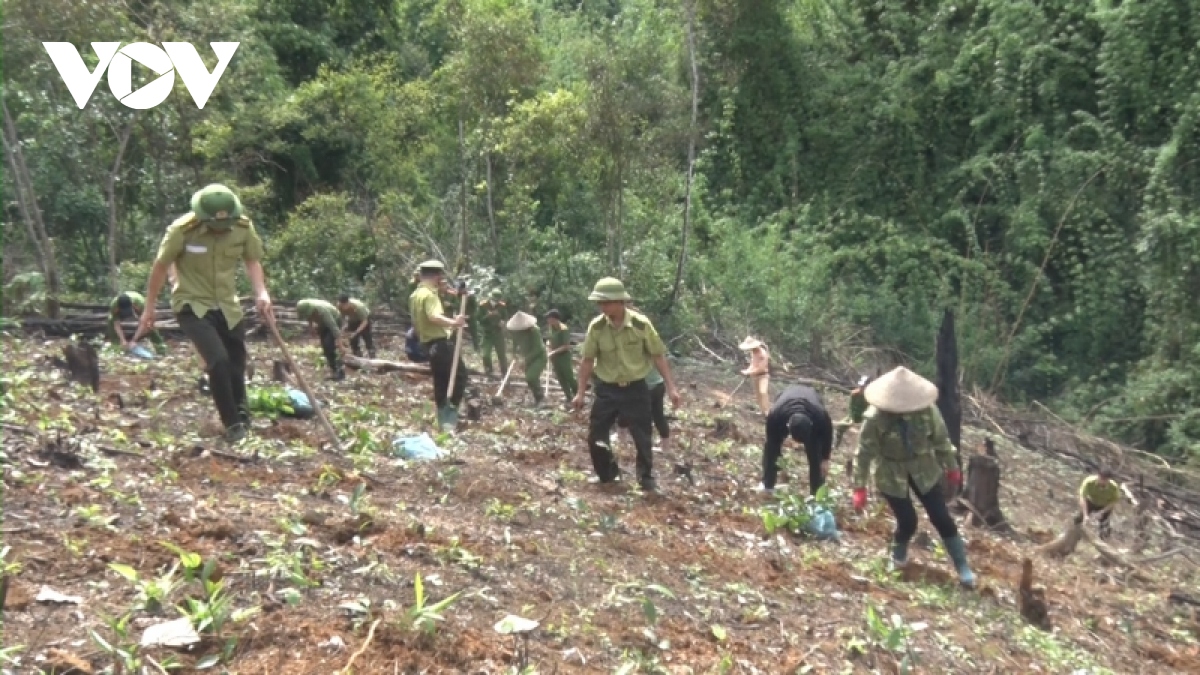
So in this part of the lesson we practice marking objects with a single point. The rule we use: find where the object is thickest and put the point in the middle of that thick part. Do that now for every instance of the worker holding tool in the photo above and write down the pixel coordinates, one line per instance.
(434, 330)
(322, 318)
(1098, 496)
(560, 353)
(491, 316)
(620, 349)
(759, 370)
(126, 306)
(205, 246)
(528, 341)
(800, 413)
(904, 433)
(358, 324)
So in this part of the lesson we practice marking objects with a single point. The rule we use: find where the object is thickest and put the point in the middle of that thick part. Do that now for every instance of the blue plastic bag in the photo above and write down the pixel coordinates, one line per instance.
(821, 523)
(419, 448)
(301, 407)
(140, 352)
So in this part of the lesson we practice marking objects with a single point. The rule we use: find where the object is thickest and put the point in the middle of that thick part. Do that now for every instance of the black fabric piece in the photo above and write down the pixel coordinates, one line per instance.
(224, 351)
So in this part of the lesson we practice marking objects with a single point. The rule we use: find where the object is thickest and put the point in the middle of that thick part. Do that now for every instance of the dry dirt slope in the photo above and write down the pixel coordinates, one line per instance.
(688, 582)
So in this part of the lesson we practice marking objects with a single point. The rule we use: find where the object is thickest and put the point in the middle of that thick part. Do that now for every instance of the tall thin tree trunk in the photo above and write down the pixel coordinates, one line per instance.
(619, 225)
(114, 277)
(464, 239)
(21, 177)
(948, 401)
(691, 155)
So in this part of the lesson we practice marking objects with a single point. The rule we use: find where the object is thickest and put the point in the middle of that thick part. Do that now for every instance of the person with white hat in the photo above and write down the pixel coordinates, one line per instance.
(759, 370)
(798, 412)
(528, 340)
(904, 434)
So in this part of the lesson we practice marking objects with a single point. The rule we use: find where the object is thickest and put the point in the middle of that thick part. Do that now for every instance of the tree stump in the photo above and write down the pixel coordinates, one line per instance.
(83, 364)
(280, 372)
(474, 409)
(983, 492)
(724, 428)
(1066, 542)
(1031, 600)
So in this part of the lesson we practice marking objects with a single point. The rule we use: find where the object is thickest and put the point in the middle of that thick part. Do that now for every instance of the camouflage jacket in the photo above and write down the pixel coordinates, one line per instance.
(912, 445)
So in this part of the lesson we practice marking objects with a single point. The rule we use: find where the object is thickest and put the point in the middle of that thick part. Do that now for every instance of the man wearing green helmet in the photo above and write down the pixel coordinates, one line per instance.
(435, 330)
(620, 349)
(491, 315)
(205, 247)
(323, 319)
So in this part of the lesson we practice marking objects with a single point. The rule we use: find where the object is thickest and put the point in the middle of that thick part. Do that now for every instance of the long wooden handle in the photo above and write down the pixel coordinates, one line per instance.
(462, 309)
(304, 385)
(503, 382)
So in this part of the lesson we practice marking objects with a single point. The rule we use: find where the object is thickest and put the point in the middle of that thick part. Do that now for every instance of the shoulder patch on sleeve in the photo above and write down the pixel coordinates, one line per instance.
(187, 222)
(595, 322)
(243, 222)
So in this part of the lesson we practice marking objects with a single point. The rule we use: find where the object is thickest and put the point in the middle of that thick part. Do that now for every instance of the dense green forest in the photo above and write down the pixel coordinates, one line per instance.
(831, 174)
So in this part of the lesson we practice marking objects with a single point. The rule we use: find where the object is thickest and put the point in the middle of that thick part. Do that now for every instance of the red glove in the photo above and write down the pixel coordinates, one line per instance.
(954, 477)
(860, 498)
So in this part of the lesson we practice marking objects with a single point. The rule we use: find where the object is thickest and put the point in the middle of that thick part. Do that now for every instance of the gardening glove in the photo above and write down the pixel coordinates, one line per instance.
(954, 477)
(860, 498)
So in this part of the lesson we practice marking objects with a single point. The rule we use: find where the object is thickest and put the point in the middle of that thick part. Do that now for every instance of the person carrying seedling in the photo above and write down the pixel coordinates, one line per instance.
(528, 341)
(1098, 496)
(759, 370)
(491, 315)
(322, 318)
(620, 349)
(205, 245)
(126, 306)
(435, 330)
(904, 434)
(560, 353)
(800, 413)
(358, 324)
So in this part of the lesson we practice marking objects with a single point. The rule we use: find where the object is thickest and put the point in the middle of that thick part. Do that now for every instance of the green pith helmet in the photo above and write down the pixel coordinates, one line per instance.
(304, 309)
(609, 289)
(216, 206)
(430, 266)
(495, 294)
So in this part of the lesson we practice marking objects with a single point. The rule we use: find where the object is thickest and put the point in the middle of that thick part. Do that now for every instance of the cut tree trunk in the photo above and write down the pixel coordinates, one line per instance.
(382, 366)
(82, 364)
(949, 402)
(1066, 542)
(1031, 600)
(983, 492)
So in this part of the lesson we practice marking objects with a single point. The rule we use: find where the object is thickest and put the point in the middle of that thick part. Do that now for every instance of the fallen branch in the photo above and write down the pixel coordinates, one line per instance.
(366, 643)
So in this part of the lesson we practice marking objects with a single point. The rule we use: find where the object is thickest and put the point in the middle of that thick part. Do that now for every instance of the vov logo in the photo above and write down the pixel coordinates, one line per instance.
(171, 58)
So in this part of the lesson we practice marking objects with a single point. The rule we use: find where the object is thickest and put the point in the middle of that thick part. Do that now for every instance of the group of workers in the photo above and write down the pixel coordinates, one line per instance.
(902, 437)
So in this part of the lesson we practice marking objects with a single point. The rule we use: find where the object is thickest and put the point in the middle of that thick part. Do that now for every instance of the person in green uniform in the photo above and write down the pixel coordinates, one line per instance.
(560, 353)
(904, 433)
(491, 316)
(620, 349)
(528, 341)
(322, 317)
(435, 330)
(358, 324)
(1098, 496)
(206, 245)
(124, 307)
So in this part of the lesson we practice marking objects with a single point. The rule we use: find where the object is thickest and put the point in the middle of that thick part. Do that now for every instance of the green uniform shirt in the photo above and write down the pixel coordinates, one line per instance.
(858, 406)
(325, 313)
(422, 305)
(926, 455)
(626, 354)
(529, 343)
(139, 301)
(561, 337)
(207, 264)
(358, 310)
(1100, 495)
(491, 316)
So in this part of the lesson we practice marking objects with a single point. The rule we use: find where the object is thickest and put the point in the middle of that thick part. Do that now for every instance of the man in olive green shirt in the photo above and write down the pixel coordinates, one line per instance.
(620, 349)
(358, 324)
(322, 317)
(1098, 496)
(124, 307)
(560, 353)
(491, 316)
(205, 246)
(435, 331)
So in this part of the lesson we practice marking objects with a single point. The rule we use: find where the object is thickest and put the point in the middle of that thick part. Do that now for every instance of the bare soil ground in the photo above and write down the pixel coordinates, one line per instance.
(312, 556)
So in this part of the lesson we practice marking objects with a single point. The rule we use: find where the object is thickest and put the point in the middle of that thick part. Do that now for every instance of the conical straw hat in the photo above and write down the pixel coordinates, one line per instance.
(750, 343)
(901, 391)
(521, 321)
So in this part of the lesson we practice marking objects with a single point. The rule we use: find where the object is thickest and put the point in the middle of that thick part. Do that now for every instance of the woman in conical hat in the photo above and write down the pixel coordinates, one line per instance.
(528, 341)
(904, 434)
(759, 370)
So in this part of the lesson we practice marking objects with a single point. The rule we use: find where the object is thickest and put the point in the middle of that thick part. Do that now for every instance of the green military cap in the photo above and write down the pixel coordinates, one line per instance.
(431, 266)
(495, 294)
(216, 206)
(609, 289)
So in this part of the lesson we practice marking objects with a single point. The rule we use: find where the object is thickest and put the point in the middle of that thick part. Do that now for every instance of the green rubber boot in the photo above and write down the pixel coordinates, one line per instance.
(899, 555)
(447, 418)
(957, 550)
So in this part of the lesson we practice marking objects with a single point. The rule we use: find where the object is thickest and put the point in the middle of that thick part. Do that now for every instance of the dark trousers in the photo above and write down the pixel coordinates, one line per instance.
(935, 507)
(1105, 526)
(441, 361)
(329, 338)
(658, 412)
(365, 337)
(224, 351)
(631, 403)
(770, 467)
